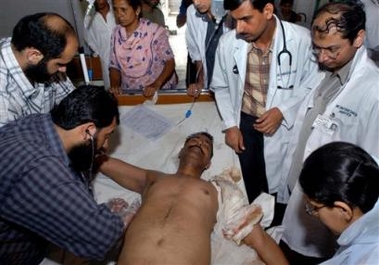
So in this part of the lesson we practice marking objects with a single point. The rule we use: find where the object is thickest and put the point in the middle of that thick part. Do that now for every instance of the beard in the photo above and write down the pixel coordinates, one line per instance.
(82, 156)
(38, 73)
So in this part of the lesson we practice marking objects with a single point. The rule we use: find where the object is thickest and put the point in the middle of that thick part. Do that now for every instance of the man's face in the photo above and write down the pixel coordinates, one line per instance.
(286, 8)
(331, 50)
(199, 148)
(38, 73)
(203, 6)
(251, 23)
(100, 4)
(45, 69)
(152, 3)
(83, 155)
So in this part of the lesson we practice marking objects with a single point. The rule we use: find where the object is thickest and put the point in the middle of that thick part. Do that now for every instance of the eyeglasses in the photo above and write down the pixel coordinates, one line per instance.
(332, 52)
(311, 209)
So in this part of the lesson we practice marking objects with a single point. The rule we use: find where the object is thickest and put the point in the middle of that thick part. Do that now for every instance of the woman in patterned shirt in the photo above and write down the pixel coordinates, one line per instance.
(141, 56)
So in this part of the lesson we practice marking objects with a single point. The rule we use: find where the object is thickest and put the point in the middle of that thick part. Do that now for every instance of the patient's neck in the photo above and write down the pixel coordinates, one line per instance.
(189, 172)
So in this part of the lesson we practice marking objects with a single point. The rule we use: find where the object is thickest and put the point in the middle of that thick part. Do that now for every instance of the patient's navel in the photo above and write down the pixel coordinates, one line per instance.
(160, 242)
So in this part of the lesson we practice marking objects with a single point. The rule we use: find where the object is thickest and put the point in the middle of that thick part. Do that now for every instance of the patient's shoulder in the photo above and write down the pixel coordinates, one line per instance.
(152, 176)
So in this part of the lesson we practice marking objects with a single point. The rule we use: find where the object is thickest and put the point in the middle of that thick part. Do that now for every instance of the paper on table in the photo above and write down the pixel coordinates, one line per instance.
(146, 122)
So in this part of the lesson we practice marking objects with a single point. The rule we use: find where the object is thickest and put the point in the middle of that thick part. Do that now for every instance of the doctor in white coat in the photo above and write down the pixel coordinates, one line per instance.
(293, 71)
(202, 35)
(344, 107)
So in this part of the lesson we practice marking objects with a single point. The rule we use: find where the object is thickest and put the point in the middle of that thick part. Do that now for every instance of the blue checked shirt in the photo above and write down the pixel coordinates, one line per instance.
(18, 97)
(41, 197)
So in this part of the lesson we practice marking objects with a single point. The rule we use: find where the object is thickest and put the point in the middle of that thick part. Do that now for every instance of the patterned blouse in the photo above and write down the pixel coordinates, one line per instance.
(142, 56)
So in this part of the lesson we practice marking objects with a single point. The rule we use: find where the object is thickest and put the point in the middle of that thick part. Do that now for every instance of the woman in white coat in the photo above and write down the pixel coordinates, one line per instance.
(351, 115)
(341, 186)
(291, 77)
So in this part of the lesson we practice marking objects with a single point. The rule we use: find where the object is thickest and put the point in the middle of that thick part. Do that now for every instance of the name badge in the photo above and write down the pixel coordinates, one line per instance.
(325, 124)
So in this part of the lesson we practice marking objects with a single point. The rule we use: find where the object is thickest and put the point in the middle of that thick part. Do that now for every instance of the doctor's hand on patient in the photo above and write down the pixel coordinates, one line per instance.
(123, 209)
(269, 122)
(233, 138)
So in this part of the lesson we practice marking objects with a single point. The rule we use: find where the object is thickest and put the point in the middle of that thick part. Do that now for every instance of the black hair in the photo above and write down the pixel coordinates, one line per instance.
(206, 134)
(257, 4)
(341, 171)
(134, 4)
(283, 2)
(351, 19)
(36, 31)
(84, 104)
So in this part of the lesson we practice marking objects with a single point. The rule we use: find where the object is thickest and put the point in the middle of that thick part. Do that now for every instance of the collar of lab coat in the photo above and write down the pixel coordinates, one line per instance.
(241, 48)
(357, 64)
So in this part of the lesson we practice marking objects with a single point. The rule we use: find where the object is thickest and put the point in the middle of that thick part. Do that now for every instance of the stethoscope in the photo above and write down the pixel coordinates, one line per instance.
(283, 52)
(278, 57)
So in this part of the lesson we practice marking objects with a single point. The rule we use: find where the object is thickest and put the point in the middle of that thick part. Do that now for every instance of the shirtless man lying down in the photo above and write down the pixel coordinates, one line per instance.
(178, 211)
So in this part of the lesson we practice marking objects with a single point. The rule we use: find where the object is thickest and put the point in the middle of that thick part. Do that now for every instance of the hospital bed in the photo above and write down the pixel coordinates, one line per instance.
(175, 116)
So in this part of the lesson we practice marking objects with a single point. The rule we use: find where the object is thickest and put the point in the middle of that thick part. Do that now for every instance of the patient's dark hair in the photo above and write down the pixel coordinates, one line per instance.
(46, 32)
(344, 172)
(206, 134)
(257, 4)
(86, 104)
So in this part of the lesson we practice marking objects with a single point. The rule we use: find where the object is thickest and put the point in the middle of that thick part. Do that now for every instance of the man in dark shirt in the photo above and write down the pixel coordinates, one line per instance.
(46, 166)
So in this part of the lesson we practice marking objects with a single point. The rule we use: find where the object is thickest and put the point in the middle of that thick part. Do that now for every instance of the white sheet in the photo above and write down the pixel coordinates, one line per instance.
(162, 155)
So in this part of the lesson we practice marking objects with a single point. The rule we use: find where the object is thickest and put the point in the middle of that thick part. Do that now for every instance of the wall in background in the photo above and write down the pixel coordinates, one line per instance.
(11, 11)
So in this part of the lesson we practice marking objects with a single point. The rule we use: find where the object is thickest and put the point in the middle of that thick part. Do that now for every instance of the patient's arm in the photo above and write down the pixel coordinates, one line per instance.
(128, 176)
(267, 249)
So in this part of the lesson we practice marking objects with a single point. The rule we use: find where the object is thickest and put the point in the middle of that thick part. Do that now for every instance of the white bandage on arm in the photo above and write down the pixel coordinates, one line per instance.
(235, 216)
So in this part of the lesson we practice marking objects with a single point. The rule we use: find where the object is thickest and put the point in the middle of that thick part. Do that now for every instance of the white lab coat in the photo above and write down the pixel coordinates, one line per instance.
(98, 37)
(355, 111)
(196, 33)
(229, 79)
(359, 242)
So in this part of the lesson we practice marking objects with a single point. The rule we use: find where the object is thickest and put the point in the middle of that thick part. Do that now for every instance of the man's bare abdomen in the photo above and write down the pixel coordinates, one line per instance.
(173, 225)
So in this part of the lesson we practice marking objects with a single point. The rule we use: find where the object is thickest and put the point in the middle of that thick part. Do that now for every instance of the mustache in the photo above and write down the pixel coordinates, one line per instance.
(197, 146)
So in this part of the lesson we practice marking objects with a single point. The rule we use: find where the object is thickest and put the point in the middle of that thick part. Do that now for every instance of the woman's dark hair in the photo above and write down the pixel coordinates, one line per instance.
(134, 4)
(344, 172)
(351, 19)
(39, 32)
(86, 104)
(257, 4)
